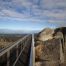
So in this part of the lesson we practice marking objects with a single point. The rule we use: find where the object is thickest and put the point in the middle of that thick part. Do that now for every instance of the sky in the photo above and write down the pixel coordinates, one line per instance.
(12, 24)
(32, 14)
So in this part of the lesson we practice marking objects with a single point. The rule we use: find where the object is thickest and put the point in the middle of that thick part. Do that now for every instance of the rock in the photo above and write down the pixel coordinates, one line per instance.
(48, 51)
(39, 51)
(46, 34)
(47, 63)
(38, 43)
(59, 35)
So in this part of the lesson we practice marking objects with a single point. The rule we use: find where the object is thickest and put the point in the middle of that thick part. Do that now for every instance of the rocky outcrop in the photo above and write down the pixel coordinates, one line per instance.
(48, 51)
(50, 47)
(46, 34)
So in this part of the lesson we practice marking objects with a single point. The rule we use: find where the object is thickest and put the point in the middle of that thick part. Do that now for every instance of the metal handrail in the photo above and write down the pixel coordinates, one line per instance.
(32, 53)
(21, 42)
(19, 55)
(9, 48)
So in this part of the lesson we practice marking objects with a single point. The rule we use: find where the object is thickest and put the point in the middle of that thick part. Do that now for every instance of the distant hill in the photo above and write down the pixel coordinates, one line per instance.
(8, 31)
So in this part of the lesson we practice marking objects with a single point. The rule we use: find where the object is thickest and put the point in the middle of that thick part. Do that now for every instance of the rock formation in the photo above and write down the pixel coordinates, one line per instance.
(49, 47)
(46, 34)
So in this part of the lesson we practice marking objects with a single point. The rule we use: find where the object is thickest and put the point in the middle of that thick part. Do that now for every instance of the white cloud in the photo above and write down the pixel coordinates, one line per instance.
(9, 13)
(58, 23)
(55, 21)
(58, 15)
(35, 10)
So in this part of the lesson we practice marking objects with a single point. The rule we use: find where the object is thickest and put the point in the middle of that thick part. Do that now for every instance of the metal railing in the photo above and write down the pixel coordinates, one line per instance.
(32, 53)
(22, 43)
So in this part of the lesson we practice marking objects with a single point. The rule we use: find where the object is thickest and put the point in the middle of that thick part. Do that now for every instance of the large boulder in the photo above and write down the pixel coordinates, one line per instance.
(46, 34)
(50, 47)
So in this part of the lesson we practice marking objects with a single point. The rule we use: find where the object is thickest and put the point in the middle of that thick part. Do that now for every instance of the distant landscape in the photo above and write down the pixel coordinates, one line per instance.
(9, 31)
(7, 39)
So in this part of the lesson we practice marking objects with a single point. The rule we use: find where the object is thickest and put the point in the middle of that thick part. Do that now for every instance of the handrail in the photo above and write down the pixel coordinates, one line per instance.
(22, 43)
(32, 53)
(9, 48)
(19, 55)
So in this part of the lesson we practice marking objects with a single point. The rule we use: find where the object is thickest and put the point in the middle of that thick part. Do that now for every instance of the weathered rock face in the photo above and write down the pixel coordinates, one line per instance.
(50, 48)
(49, 51)
(46, 34)
(39, 51)
(63, 31)
(45, 63)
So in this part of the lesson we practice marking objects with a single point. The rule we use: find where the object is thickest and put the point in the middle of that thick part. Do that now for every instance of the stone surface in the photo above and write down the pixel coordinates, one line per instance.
(46, 63)
(49, 50)
(46, 34)
(50, 47)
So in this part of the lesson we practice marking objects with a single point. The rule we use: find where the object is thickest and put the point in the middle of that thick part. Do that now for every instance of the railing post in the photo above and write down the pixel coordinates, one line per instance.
(8, 58)
(17, 52)
(21, 46)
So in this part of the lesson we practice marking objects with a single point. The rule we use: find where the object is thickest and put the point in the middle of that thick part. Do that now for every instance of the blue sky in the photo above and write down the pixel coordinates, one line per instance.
(32, 14)
(13, 24)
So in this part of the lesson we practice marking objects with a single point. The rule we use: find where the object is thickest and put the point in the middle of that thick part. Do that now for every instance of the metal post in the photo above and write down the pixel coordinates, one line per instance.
(21, 43)
(17, 52)
(8, 58)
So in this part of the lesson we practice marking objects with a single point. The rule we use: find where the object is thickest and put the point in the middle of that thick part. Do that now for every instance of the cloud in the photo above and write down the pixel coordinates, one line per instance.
(52, 11)
(58, 23)
(24, 19)
(10, 13)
